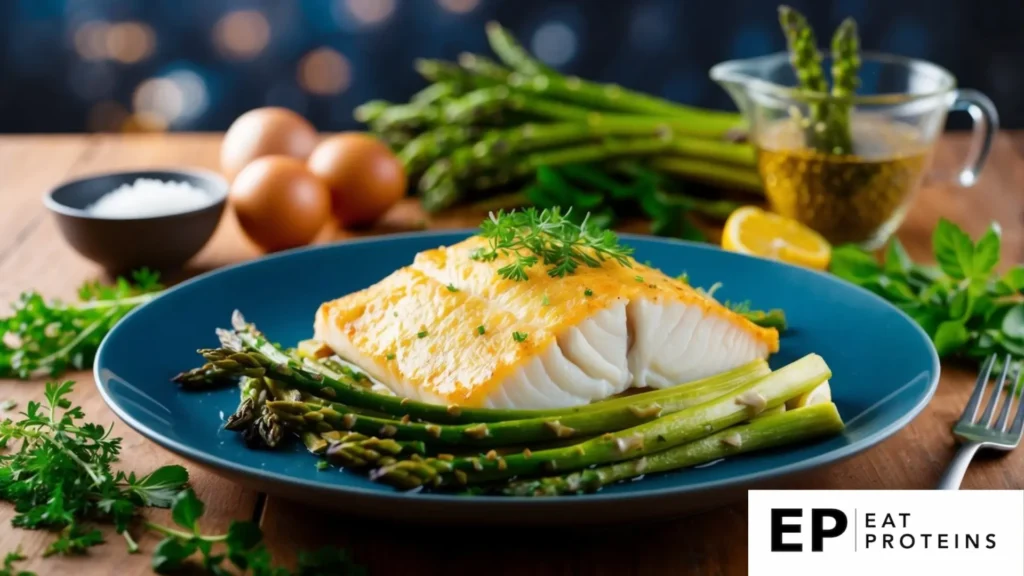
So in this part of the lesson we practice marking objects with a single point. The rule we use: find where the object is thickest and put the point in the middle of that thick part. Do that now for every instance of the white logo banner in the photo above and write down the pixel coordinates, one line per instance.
(838, 532)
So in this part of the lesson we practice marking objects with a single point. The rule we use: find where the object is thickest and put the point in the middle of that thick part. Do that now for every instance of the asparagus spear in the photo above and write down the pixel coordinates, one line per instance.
(710, 172)
(806, 61)
(247, 347)
(845, 72)
(435, 93)
(603, 96)
(771, 431)
(253, 393)
(601, 417)
(441, 188)
(512, 53)
(659, 434)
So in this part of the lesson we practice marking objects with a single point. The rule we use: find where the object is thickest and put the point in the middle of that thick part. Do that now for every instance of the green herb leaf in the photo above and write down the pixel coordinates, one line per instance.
(8, 567)
(851, 263)
(421, 334)
(949, 337)
(186, 510)
(529, 237)
(1012, 323)
(986, 251)
(480, 330)
(953, 250)
(160, 487)
(520, 336)
(1014, 278)
(46, 337)
(897, 261)
(170, 554)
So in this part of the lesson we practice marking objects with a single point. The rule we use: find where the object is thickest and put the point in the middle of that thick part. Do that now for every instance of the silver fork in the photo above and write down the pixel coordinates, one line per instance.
(974, 433)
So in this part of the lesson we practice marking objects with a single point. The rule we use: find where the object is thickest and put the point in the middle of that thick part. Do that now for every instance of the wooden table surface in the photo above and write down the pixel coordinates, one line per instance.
(33, 256)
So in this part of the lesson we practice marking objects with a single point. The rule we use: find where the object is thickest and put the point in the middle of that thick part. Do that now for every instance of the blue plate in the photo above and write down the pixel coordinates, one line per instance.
(884, 372)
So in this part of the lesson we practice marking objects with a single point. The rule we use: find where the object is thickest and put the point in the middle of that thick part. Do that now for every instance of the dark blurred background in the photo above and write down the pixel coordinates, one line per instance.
(150, 65)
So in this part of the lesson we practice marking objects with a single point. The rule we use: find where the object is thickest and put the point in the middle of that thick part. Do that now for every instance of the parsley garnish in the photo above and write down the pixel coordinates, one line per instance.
(545, 301)
(60, 476)
(452, 288)
(389, 356)
(322, 465)
(530, 237)
(245, 550)
(588, 292)
(8, 567)
(421, 334)
(46, 337)
(639, 278)
(520, 336)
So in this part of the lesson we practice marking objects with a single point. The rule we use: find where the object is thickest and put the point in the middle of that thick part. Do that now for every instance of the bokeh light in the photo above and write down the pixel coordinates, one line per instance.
(324, 72)
(459, 6)
(106, 116)
(125, 42)
(241, 35)
(369, 12)
(554, 43)
(173, 99)
(129, 42)
(92, 80)
(91, 40)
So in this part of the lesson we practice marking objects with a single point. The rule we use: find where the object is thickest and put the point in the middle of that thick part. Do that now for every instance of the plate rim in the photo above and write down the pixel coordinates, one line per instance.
(201, 457)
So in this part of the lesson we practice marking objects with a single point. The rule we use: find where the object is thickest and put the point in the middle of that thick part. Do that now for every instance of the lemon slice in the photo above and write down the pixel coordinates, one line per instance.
(819, 395)
(750, 230)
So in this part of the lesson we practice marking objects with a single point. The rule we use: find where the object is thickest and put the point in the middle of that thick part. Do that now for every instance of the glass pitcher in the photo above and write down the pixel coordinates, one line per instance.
(862, 194)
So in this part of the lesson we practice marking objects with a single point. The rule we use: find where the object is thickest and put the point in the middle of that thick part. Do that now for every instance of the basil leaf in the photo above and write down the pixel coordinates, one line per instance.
(986, 251)
(897, 261)
(950, 336)
(960, 305)
(852, 264)
(953, 250)
(1013, 322)
(1015, 278)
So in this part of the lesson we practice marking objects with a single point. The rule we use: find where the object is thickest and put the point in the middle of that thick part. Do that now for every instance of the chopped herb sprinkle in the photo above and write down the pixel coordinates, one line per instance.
(390, 356)
(639, 279)
(321, 465)
(452, 288)
(588, 292)
(480, 330)
(421, 334)
(545, 300)
(684, 278)
(519, 336)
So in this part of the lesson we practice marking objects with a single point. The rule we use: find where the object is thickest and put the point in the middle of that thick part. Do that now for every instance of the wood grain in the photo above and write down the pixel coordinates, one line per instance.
(32, 255)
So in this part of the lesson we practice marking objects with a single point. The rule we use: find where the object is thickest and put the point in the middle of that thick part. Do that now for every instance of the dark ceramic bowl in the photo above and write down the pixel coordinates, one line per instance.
(124, 244)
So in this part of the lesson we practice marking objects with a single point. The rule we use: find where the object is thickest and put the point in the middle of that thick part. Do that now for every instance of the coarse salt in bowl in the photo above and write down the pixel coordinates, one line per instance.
(126, 220)
(147, 197)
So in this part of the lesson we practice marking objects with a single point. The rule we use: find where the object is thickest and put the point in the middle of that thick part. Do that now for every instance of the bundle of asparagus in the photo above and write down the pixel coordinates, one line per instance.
(411, 444)
(828, 125)
(484, 126)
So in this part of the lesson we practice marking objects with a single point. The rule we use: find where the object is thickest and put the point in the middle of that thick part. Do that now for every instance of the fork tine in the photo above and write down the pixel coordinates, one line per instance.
(1018, 421)
(997, 393)
(971, 410)
(1004, 413)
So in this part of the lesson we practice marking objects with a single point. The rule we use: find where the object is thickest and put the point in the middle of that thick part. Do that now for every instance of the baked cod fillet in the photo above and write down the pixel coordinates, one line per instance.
(449, 329)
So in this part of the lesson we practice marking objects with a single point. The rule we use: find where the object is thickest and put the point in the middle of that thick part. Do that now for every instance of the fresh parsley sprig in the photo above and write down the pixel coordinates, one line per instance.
(966, 308)
(530, 237)
(243, 548)
(46, 337)
(59, 476)
(8, 568)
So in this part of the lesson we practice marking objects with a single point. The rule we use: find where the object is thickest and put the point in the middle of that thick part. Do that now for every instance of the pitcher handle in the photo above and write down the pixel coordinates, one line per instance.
(985, 124)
